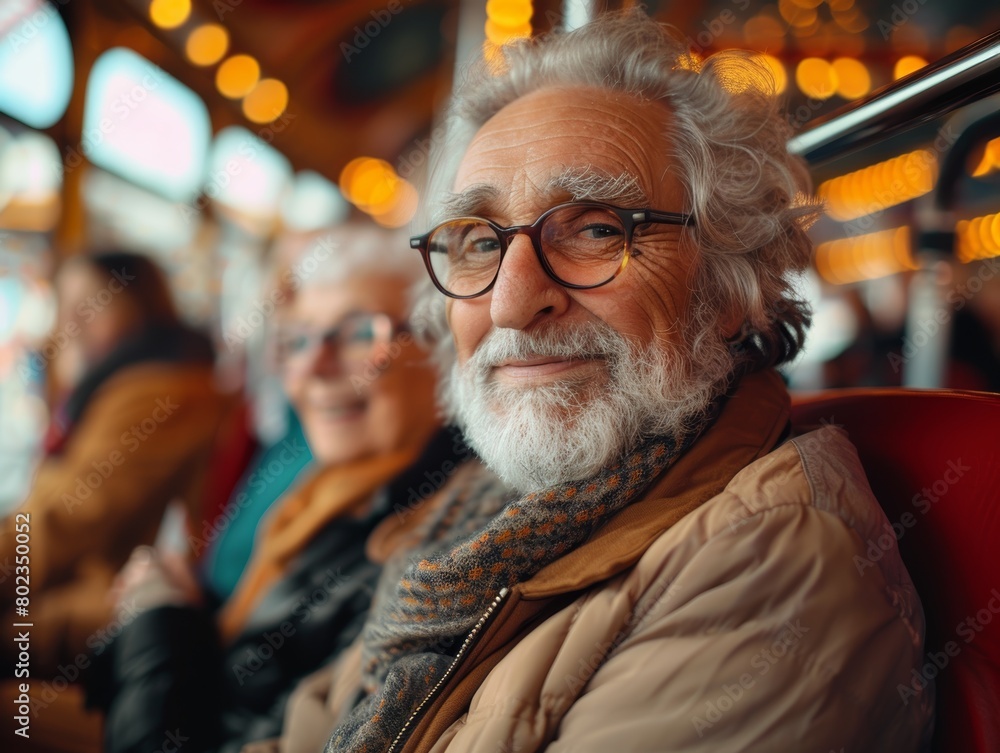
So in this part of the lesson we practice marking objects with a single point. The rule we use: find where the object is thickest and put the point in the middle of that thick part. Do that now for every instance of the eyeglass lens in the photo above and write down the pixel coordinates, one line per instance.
(582, 245)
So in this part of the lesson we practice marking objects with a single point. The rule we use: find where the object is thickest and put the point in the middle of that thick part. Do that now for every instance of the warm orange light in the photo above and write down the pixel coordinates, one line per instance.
(853, 80)
(372, 182)
(373, 186)
(169, 14)
(978, 238)
(907, 65)
(816, 78)
(498, 34)
(990, 160)
(777, 69)
(237, 76)
(402, 208)
(865, 257)
(795, 14)
(207, 44)
(347, 175)
(266, 101)
(510, 13)
(879, 186)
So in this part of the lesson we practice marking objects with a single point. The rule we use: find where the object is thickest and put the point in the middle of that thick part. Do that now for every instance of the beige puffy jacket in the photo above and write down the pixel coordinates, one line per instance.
(723, 612)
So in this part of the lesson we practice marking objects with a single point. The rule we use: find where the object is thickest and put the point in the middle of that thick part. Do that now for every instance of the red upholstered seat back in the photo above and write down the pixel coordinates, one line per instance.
(933, 460)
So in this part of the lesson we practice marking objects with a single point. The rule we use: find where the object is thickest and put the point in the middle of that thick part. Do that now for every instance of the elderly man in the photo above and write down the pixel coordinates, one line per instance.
(647, 561)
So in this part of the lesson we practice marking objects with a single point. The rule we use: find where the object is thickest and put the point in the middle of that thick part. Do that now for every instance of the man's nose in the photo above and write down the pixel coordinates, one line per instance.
(524, 293)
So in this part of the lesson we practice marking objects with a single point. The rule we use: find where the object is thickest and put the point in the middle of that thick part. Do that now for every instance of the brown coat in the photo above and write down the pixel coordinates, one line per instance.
(723, 612)
(143, 441)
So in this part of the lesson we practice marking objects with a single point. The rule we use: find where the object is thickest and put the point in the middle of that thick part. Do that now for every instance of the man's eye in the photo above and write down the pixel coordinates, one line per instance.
(483, 245)
(597, 231)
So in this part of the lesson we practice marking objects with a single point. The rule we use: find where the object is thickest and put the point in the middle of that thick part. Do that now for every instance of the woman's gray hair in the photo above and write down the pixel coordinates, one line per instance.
(727, 135)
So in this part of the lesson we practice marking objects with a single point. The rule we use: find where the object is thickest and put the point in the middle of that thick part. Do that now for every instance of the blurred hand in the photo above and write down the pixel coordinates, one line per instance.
(272, 745)
(152, 579)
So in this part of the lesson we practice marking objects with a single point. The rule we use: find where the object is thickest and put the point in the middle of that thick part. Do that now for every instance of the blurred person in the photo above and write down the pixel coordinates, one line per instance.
(363, 390)
(133, 432)
(975, 329)
(647, 561)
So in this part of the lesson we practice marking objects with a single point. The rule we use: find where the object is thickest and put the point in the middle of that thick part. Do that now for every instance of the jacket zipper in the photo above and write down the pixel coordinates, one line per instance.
(470, 640)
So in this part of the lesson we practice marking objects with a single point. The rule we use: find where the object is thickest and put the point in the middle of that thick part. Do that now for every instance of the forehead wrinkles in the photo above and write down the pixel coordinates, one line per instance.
(535, 138)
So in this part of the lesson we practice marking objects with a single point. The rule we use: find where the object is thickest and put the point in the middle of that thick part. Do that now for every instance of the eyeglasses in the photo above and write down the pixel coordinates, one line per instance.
(356, 338)
(580, 245)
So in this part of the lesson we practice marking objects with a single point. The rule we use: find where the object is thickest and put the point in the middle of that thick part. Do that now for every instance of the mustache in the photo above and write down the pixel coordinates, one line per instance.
(592, 340)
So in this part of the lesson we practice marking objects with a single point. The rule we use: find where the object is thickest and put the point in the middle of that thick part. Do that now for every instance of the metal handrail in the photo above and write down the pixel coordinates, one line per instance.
(965, 76)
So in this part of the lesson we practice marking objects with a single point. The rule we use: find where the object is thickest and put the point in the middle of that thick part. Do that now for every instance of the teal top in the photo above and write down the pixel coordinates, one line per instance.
(230, 540)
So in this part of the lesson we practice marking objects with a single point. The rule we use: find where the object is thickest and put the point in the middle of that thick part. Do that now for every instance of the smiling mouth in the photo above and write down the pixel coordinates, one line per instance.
(339, 410)
(546, 369)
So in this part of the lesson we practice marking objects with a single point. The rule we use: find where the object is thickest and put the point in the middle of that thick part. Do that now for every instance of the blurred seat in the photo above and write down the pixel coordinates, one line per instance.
(933, 460)
(232, 451)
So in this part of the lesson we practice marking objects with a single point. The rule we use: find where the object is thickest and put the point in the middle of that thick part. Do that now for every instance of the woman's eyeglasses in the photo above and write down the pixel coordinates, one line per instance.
(356, 339)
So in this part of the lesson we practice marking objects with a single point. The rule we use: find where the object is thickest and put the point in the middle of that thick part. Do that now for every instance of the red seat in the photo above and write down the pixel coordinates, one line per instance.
(933, 460)
(232, 450)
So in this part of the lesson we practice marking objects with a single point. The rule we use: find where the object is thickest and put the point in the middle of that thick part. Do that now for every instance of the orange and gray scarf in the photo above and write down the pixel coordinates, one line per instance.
(484, 540)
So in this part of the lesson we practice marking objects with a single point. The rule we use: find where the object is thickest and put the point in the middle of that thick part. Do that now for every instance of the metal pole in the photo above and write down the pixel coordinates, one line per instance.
(965, 76)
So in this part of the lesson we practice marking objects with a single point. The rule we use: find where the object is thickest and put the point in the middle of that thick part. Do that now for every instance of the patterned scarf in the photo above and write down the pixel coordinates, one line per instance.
(483, 539)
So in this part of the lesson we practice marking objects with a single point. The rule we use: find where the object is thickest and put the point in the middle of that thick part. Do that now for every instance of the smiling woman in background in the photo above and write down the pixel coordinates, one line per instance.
(364, 392)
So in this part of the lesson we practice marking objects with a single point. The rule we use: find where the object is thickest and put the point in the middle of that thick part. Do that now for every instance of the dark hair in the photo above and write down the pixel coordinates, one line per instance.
(142, 280)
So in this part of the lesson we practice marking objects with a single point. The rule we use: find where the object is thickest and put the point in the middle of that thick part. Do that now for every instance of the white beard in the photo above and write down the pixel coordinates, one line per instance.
(542, 436)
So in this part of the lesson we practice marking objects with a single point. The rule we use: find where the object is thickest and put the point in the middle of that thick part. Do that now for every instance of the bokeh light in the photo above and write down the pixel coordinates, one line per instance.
(816, 78)
(169, 14)
(853, 79)
(237, 76)
(207, 44)
(266, 102)
(907, 65)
